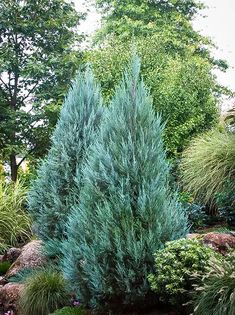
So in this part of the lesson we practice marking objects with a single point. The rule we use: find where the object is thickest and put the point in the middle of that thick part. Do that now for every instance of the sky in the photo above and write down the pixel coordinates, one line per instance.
(217, 21)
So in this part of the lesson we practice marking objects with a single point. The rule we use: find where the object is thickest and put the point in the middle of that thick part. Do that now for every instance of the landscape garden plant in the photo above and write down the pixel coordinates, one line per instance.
(172, 279)
(45, 290)
(216, 295)
(15, 223)
(108, 180)
(57, 186)
(208, 166)
(126, 210)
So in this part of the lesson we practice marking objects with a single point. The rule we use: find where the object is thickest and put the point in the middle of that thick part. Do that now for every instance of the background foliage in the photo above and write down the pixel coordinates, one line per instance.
(38, 58)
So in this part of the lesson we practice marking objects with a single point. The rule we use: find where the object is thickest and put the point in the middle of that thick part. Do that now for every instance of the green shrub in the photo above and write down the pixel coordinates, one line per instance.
(208, 164)
(174, 266)
(4, 266)
(127, 209)
(226, 203)
(69, 311)
(44, 292)
(15, 224)
(216, 295)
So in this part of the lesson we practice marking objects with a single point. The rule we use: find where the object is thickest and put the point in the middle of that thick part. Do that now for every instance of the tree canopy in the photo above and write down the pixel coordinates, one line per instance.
(39, 54)
(183, 87)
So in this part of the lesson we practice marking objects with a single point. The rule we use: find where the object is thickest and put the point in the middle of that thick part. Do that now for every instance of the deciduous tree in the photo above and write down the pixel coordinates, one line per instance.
(38, 58)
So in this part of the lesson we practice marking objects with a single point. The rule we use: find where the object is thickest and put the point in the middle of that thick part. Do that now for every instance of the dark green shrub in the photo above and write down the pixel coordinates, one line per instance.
(216, 295)
(4, 266)
(226, 203)
(174, 266)
(44, 292)
(69, 311)
(197, 216)
(127, 209)
(59, 177)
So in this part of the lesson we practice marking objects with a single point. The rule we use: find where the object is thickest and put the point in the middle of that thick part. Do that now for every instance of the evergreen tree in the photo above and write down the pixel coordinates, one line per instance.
(58, 182)
(127, 210)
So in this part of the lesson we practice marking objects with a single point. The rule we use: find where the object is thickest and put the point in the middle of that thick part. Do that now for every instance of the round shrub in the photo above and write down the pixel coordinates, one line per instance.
(68, 310)
(45, 291)
(216, 295)
(174, 266)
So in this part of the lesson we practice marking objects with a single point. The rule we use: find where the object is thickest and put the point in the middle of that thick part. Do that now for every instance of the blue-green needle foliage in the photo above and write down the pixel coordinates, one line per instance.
(59, 177)
(127, 210)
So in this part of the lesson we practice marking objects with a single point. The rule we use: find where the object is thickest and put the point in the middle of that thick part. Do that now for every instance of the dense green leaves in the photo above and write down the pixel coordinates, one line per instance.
(175, 266)
(37, 61)
(143, 17)
(182, 86)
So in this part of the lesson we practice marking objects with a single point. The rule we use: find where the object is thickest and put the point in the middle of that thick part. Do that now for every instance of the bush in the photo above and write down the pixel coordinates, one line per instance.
(197, 215)
(4, 266)
(15, 224)
(70, 311)
(44, 292)
(127, 210)
(208, 164)
(216, 295)
(59, 178)
(174, 266)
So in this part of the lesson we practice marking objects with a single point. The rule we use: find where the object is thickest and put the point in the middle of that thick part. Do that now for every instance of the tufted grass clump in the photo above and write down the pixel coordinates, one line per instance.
(15, 224)
(208, 164)
(216, 295)
(45, 291)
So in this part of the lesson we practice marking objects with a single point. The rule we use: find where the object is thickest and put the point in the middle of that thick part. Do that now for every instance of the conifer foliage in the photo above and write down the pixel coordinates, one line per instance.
(127, 210)
(59, 177)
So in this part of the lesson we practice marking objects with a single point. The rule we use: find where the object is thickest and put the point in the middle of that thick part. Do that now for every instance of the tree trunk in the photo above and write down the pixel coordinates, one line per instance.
(14, 167)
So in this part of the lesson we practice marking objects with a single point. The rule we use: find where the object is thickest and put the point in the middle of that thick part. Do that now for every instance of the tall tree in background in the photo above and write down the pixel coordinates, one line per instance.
(182, 86)
(171, 18)
(38, 57)
(176, 62)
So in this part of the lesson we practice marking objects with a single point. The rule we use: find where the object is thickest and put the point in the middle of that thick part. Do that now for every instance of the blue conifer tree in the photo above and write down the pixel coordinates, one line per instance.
(127, 210)
(59, 178)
